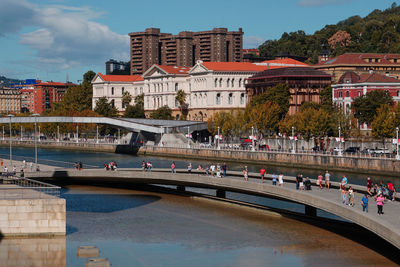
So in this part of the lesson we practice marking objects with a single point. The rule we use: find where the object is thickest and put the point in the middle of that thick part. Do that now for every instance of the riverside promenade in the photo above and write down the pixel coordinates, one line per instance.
(386, 226)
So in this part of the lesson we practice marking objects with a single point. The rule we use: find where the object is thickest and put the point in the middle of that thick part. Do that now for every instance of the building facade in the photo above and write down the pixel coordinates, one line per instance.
(10, 101)
(113, 87)
(351, 85)
(305, 84)
(184, 49)
(361, 63)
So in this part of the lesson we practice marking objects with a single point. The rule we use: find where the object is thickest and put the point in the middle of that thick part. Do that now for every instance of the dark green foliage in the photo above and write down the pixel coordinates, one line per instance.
(326, 98)
(365, 106)
(105, 108)
(162, 113)
(379, 32)
(135, 111)
(279, 95)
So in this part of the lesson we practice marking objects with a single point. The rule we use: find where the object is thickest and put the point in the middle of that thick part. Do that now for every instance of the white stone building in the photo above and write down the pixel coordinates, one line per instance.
(114, 86)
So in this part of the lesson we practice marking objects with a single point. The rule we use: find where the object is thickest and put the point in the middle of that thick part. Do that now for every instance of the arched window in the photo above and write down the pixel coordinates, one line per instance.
(347, 93)
(228, 82)
(141, 90)
(112, 90)
(233, 83)
(242, 98)
(340, 95)
(220, 82)
(240, 82)
(176, 87)
(136, 91)
(230, 99)
(347, 108)
(218, 99)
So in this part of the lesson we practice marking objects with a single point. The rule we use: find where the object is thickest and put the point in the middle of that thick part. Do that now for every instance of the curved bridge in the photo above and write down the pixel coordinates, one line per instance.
(134, 125)
(386, 226)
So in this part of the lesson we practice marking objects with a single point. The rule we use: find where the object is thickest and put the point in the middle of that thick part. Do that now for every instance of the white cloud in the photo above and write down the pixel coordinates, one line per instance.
(252, 41)
(321, 2)
(64, 36)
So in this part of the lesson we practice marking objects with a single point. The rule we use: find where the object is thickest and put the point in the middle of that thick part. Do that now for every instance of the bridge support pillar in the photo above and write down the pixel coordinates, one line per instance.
(221, 193)
(181, 188)
(310, 211)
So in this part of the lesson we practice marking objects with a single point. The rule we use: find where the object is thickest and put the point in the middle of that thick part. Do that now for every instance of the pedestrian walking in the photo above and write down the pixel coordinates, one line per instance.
(301, 184)
(319, 181)
(31, 166)
(143, 166)
(224, 168)
(262, 174)
(343, 183)
(364, 203)
(212, 169)
(173, 170)
(369, 186)
(149, 166)
(280, 179)
(343, 194)
(245, 173)
(274, 179)
(379, 202)
(189, 167)
(392, 190)
(298, 178)
(327, 179)
(218, 171)
(351, 196)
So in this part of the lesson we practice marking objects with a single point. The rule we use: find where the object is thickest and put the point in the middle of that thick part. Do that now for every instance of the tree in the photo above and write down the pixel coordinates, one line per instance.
(181, 98)
(126, 99)
(384, 123)
(340, 38)
(135, 111)
(265, 117)
(105, 108)
(139, 100)
(326, 98)
(88, 77)
(279, 95)
(162, 113)
(365, 106)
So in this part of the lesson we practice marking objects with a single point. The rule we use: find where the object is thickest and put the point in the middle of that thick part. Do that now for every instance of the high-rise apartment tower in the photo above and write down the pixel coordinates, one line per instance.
(153, 47)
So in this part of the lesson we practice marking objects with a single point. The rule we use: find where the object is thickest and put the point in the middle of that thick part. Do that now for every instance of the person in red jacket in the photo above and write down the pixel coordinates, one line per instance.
(262, 174)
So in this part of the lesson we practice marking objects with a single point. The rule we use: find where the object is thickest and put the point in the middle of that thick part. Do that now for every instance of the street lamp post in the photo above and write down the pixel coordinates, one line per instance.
(3, 132)
(218, 139)
(21, 132)
(35, 138)
(397, 144)
(58, 133)
(340, 143)
(293, 141)
(11, 163)
(252, 138)
(77, 134)
(119, 136)
(97, 134)
(39, 134)
(188, 137)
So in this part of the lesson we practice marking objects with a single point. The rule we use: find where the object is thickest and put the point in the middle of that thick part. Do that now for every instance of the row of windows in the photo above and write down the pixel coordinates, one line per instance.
(159, 87)
(359, 94)
(229, 82)
(123, 91)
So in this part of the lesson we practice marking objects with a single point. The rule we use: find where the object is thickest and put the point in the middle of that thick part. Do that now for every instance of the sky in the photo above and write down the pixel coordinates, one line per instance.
(53, 39)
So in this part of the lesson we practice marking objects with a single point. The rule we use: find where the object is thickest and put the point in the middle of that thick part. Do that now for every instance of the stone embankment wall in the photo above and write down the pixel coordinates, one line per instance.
(332, 162)
(26, 217)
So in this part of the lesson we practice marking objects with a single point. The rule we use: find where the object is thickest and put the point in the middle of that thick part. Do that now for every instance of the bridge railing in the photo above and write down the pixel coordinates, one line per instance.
(12, 187)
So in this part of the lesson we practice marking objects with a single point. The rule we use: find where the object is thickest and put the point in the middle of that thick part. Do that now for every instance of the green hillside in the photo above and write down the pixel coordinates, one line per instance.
(379, 32)
(5, 82)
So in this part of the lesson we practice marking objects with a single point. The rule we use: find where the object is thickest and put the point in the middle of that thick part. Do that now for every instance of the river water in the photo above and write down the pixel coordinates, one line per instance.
(137, 228)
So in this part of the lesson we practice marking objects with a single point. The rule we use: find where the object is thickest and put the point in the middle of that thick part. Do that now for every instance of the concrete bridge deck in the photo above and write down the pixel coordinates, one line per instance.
(386, 226)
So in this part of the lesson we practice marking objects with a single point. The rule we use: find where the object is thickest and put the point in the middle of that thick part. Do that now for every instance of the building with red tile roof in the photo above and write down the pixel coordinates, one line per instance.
(46, 94)
(362, 63)
(113, 88)
(352, 85)
(282, 63)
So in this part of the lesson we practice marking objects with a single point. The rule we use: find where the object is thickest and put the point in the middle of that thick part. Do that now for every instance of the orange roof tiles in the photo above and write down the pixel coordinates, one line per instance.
(121, 78)
(352, 77)
(174, 69)
(233, 66)
(286, 62)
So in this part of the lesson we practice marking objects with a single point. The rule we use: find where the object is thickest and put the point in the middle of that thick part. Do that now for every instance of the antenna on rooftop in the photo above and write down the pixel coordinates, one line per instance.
(67, 78)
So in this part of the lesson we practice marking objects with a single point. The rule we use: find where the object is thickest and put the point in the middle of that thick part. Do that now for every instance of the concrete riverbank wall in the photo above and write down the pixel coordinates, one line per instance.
(377, 166)
(31, 217)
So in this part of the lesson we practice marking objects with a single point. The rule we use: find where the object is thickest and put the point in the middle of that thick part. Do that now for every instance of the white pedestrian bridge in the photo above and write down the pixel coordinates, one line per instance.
(386, 226)
(134, 125)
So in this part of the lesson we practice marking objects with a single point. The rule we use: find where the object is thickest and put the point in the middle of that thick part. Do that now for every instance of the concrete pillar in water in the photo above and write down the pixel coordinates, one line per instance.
(310, 211)
(181, 188)
(221, 193)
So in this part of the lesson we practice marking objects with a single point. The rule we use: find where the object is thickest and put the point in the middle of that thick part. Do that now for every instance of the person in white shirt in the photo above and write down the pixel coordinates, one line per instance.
(280, 179)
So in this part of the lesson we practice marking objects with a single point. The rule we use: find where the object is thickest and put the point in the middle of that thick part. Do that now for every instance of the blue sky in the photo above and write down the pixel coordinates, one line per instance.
(50, 39)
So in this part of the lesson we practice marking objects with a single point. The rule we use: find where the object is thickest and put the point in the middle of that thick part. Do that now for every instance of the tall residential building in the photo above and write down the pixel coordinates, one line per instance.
(10, 100)
(153, 47)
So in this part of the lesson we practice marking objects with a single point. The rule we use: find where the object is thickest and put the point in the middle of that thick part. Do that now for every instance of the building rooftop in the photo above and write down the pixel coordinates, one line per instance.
(174, 69)
(352, 77)
(285, 62)
(233, 66)
(361, 59)
(120, 78)
(291, 72)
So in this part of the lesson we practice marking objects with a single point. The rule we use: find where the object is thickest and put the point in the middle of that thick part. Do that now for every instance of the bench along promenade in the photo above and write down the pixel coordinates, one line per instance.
(386, 226)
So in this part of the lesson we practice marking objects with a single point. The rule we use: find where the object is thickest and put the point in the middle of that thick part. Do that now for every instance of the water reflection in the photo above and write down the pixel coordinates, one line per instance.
(21, 252)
